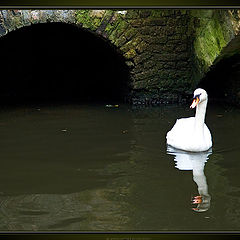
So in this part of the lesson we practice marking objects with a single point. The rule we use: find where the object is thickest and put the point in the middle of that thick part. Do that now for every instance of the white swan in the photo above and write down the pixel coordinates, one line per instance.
(192, 134)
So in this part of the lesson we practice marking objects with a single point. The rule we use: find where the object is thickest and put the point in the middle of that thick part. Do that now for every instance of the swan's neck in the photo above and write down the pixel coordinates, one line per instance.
(200, 114)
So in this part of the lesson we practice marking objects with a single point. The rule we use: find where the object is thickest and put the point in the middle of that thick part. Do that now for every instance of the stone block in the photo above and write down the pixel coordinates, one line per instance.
(3, 31)
(145, 13)
(141, 47)
(130, 54)
(155, 22)
(136, 23)
(130, 33)
(138, 59)
(139, 85)
(120, 41)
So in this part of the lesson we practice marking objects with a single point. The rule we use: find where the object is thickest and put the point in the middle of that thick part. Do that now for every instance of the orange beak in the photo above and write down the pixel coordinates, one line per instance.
(195, 102)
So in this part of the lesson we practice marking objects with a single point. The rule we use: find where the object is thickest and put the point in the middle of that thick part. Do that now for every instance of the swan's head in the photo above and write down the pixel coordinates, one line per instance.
(199, 96)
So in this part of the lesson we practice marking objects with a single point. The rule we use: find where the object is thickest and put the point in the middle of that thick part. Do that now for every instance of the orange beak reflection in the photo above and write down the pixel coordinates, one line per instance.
(195, 102)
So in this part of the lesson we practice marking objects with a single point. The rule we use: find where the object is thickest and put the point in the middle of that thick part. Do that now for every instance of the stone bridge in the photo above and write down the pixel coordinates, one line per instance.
(167, 51)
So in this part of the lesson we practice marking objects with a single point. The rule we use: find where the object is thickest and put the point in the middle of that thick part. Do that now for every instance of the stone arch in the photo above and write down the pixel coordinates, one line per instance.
(212, 31)
(167, 51)
(222, 79)
(155, 44)
(216, 49)
(152, 41)
(95, 58)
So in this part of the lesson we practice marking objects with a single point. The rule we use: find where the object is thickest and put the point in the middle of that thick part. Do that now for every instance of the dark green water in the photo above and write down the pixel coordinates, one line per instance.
(79, 167)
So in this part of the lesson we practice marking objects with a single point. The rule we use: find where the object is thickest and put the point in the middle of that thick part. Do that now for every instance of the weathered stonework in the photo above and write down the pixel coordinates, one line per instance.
(216, 38)
(213, 30)
(167, 51)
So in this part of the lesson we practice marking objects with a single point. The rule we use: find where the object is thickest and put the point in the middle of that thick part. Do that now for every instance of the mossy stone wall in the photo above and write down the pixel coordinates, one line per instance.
(155, 44)
(213, 30)
(167, 51)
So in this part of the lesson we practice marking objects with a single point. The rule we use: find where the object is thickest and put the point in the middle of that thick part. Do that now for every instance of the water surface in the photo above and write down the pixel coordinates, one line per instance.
(91, 167)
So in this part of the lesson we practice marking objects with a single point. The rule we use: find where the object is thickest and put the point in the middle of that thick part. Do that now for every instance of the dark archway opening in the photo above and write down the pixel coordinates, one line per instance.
(222, 81)
(58, 62)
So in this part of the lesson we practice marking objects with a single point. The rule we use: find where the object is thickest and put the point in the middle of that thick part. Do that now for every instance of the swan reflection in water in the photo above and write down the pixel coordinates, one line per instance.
(194, 161)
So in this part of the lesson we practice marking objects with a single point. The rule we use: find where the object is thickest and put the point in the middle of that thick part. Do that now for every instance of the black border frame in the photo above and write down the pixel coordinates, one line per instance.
(120, 4)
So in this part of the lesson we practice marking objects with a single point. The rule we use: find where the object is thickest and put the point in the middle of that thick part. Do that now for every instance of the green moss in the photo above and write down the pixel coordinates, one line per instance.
(120, 41)
(202, 13)
(17, 22)
(130, 33)
(211, 38)
(209, 43)
(130, 54)
(141, 46)
(116, 35)
(161, 12)
(132, 14)
(112, 27)
(122, 26)
(85, 18)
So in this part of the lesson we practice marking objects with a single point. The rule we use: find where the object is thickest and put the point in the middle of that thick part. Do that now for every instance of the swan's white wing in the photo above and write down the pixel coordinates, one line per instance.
(207, 136)
(181, 132)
